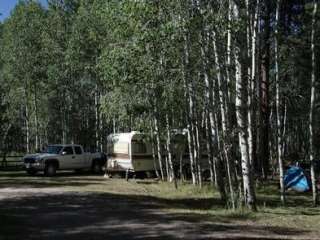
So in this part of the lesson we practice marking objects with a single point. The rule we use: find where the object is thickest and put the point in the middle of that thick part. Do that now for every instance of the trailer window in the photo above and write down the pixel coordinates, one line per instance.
(120, 147)
(139, 147)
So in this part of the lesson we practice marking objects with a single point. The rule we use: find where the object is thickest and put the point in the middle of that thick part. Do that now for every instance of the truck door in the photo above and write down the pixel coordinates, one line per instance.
(68, 158)
(80, 157)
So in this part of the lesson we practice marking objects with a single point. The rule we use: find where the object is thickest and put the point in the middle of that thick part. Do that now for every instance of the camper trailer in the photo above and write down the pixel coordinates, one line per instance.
(132, 152)
(129, 152)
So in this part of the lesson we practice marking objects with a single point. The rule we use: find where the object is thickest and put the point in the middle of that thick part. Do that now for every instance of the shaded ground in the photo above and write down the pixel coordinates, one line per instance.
(81, 207)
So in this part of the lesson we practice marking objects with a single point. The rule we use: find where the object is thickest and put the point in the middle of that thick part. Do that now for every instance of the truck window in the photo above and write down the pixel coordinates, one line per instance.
(52, 149)
(68, 150)
(78, 150)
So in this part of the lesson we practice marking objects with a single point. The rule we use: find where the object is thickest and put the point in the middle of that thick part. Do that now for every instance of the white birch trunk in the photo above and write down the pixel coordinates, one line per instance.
(209, 105)
(250, 90)
(27, 121)
(210, 127)
(156, 128)
(153, 147)
(224, 118)
(279, 152)
(114, 125)
(171, 174)
(252, 86)
(97, 121)
(210, 152)
(284, 131)
(242, 114)
(191, 140)
(198, 154)
(230, 6)
(312, 105)
(36, 122)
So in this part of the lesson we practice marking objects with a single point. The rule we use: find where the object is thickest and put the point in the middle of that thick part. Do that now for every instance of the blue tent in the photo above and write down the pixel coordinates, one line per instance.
(296, 179)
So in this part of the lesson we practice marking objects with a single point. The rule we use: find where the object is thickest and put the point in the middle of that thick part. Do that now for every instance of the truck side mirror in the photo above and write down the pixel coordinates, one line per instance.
(64, 153)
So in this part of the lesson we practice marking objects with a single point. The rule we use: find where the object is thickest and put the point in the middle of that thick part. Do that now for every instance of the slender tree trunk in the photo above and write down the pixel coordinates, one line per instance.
(230, 6)
(242, 114)
(27, 121)
(210, 153)
(208, 101)
(4, 138)
(252, 83)
(154, 150)
(101, 130)
(284, 129)
(250, 90)
(36, 120)
(264, 154)
(188, 95)
(217, 159)
(248, 193)
(199, 156)
(63, 112)
(312, 106)
(279, 152)
(223, 114)
(156, 128)
(191, 156)
(182, 177)
(114, 129)
(171, 173)
(194, 132)
(97, 116)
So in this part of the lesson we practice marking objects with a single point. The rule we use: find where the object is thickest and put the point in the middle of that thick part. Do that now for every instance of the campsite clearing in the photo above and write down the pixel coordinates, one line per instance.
(78, 206)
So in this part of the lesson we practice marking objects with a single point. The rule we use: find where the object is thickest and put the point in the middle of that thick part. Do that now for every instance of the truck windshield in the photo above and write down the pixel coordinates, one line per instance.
(53, 149)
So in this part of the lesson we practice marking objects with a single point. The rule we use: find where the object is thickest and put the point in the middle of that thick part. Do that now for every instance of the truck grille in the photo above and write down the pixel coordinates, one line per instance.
(29, 160)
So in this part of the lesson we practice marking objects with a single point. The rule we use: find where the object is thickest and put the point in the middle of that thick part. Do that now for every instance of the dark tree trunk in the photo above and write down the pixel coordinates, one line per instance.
(264, 156)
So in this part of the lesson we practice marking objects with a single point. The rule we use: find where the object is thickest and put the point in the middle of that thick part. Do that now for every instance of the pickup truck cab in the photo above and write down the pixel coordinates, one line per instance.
(63, 157)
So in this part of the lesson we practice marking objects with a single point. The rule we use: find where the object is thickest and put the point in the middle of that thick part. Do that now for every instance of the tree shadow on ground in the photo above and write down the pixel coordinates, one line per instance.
(114, 216)
(63, 179)
(60, 174)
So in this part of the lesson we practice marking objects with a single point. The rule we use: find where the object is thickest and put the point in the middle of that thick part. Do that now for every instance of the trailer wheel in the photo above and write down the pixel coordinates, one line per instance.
(141, 175)
(150, 174)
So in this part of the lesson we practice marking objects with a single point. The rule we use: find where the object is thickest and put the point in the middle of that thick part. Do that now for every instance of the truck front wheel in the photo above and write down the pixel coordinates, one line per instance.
(32, 172)
(50, 169)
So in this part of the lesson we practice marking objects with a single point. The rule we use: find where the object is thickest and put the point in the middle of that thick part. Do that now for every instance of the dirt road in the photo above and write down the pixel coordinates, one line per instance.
(31, 210)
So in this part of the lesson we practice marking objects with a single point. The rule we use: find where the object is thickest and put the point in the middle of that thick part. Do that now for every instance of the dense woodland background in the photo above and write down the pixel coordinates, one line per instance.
(241, 76)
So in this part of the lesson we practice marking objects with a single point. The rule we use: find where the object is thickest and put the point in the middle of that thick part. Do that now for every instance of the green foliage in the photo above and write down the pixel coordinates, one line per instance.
(78, 62)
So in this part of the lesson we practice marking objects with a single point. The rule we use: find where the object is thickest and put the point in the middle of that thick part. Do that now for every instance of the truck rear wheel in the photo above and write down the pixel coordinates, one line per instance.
(96, 167)
(50, 169)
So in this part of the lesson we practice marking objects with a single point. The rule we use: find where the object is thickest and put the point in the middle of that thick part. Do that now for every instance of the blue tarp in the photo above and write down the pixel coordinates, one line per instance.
(296, 179)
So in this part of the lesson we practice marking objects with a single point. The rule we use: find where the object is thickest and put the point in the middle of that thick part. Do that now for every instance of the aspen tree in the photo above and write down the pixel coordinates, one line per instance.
(278, 120)
(312, 106)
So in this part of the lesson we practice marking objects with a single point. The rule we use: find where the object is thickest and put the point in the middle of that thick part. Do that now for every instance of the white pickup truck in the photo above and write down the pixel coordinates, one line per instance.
(63, 157)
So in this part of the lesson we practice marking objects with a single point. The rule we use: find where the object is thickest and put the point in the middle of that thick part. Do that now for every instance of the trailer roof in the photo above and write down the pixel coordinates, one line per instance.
(123, 137)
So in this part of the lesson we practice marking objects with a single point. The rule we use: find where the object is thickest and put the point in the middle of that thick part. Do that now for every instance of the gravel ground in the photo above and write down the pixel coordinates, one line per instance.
(40, 212)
